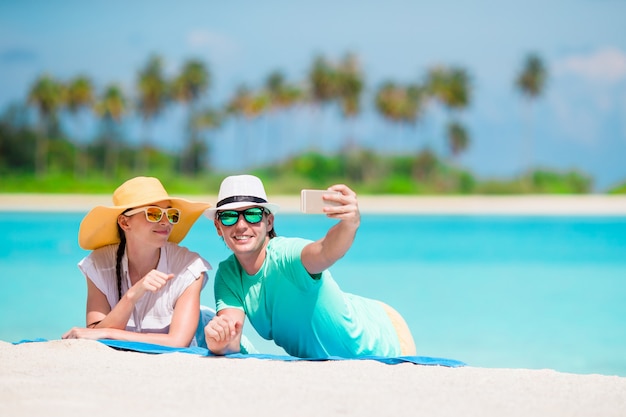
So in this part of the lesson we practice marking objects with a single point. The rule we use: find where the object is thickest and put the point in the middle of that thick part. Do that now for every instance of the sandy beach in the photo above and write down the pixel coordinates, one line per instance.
(595, 204)
(86, 378)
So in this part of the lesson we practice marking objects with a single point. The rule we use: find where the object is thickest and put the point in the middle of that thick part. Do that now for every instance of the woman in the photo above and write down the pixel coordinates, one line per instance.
(141, 285)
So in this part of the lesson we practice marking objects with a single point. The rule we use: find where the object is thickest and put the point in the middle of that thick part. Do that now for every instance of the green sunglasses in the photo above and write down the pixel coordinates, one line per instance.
(252, 215)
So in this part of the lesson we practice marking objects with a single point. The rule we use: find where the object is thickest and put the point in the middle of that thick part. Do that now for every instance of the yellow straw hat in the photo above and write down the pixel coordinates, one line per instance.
(99, 227)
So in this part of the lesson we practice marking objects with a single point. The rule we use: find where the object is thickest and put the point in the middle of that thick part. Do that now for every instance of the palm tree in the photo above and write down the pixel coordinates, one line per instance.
(425, 166)
(111, 107)
(350, 86)
(452, 88)
(531, 82)
(399, 104)
(342, 83)
(80, 95)
(402, 105)
(282, 97)
(153, 96)
(322, 90)
(188, 87)
(532, 79)
(458, 138)
(245, 106)
(206, 120)
(323, 81)
(248, 104)
(47, 95)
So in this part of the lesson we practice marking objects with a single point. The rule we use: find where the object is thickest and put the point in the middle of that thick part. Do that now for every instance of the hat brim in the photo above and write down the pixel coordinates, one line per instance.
(210, 213)
(99, 227)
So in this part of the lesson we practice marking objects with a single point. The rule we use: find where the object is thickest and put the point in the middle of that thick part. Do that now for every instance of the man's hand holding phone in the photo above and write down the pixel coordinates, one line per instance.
(312, 202)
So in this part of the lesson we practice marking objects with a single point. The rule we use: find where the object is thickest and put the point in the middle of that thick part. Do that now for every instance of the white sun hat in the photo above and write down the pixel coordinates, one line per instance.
(239, 191)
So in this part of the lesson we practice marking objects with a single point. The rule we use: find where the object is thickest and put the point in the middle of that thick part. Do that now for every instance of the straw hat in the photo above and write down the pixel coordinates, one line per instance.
(99, 227)
(239, 191)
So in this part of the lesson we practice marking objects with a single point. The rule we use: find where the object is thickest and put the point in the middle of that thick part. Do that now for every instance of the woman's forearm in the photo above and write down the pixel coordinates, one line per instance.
(118, 317)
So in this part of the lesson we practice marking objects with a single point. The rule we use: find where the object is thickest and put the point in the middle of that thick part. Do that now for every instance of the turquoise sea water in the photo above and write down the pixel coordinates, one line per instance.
(511, 292)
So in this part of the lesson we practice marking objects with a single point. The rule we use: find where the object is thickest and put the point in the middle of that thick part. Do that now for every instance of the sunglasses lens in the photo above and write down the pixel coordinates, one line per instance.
(253, 215)
(173, 215)
(228, 218)
(154, 214)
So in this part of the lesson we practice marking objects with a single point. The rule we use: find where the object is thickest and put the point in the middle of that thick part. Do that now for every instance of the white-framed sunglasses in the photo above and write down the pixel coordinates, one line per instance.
(154, 214)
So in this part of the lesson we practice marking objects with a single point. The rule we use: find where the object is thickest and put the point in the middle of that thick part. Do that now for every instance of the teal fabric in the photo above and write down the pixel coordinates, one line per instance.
(309, 318)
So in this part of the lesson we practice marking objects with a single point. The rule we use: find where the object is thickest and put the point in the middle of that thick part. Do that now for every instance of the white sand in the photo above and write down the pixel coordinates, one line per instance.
(86, 378)
(528, 204)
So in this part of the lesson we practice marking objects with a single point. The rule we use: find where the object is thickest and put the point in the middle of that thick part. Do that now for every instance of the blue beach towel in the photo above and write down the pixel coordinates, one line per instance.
(196, 350)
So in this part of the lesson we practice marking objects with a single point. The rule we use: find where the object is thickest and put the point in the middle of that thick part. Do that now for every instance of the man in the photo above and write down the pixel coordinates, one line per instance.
(284, 287)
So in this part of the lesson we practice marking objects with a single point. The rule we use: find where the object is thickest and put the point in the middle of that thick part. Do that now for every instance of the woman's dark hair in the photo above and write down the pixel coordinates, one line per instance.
(118, 260)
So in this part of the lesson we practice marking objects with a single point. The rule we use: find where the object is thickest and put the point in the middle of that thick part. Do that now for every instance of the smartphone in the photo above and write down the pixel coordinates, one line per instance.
(311, 201)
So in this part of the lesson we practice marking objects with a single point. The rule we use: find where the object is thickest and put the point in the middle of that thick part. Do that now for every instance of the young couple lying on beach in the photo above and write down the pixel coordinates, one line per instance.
(143, 287)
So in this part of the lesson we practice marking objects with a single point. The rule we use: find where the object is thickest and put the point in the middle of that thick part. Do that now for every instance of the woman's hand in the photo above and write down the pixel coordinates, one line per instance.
(84, 333)
(153, 281)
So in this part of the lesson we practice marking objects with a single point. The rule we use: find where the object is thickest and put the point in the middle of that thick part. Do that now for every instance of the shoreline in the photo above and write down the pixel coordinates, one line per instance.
(592, 204)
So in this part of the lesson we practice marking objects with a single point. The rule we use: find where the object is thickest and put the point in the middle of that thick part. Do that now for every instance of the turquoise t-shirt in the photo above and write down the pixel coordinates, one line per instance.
(308, 317)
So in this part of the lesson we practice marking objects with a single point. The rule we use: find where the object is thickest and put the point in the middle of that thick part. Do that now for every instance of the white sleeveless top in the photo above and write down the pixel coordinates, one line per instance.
(153, 312)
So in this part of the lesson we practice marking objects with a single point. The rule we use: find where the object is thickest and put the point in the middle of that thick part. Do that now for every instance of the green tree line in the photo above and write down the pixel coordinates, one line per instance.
(43, 149)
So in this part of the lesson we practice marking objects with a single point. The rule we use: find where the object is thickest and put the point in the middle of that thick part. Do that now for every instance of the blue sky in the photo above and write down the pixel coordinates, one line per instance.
(580, 121)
